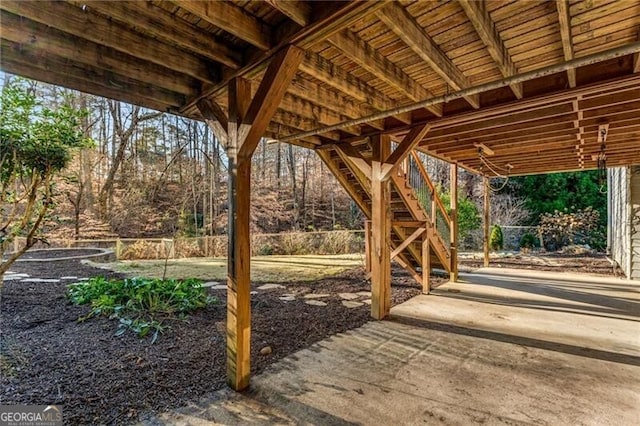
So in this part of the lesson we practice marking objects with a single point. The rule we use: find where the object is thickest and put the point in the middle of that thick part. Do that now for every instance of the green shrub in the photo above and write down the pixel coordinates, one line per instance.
(528, 241)
(468, 215)
(496, 240)
(139, 304)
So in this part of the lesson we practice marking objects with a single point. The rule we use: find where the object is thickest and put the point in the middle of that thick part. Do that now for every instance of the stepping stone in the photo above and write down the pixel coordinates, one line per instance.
(364, 293)
(287, 298)
(316, 296)
(351, 304)
(214, 285)
(367, 301)
(270, 286)
(315, 303)
(348, 296)
(12, 278)
(70, 277)
(289, 295)
(40, 280)
(253, 293)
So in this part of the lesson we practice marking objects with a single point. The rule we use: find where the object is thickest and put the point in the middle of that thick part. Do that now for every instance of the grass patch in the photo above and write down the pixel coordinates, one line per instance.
(263, 268)
(141, 305)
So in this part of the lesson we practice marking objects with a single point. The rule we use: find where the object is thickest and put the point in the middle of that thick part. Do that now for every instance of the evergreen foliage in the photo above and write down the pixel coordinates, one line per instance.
(496, 240)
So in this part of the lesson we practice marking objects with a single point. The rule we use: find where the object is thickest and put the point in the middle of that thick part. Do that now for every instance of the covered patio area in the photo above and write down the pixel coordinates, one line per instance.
(500, 346)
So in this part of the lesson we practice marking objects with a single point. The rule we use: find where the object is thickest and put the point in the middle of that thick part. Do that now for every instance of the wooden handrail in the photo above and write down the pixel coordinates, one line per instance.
(434, 195)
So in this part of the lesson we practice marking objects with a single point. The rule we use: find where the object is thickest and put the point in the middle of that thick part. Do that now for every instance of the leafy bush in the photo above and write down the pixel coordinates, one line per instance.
(140, 304)
(496, 240)
(468, 214)
(580, 227)
(528, 241)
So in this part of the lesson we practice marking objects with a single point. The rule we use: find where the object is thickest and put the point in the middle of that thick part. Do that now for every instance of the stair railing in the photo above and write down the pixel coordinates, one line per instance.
(429, 200)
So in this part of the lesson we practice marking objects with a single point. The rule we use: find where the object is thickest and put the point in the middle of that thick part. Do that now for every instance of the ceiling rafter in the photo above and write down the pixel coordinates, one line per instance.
(331, 100)
(404, 26)
(485, 27)
(322, 69)
(100, 30)
(42, 72)
(564, 18)
(374, 62)
(231, 19)
(296, 10)
(41, 40)
(165, 26)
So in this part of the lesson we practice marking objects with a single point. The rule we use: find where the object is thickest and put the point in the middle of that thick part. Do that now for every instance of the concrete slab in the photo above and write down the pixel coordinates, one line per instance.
(515, 349)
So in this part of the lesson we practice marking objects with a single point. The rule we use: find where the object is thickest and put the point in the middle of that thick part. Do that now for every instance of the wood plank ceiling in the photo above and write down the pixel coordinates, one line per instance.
(361, 58)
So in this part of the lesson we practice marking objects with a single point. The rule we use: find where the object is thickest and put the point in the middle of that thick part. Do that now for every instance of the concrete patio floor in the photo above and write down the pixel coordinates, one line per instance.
(499, 347)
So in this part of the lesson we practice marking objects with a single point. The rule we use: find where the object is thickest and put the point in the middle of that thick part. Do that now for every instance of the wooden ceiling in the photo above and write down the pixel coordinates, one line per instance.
(362, 58)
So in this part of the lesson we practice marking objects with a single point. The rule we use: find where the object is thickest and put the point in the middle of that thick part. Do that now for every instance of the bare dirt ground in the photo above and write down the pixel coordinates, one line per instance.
(48, 357)
(555, 262)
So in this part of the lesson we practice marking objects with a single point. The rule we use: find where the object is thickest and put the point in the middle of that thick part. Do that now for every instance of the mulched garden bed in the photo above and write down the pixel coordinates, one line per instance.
(47, 357)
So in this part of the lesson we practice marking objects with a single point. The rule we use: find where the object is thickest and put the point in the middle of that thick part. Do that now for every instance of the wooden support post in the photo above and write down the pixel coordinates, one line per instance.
(485, 180)
(247, 121)
(239, 251)
(367, 247)
(380, 230)
(426, 264)
(453, 226)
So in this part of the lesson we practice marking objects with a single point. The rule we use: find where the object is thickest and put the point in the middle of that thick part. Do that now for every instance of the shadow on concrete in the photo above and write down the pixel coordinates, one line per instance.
(523, 341)
(588, 302)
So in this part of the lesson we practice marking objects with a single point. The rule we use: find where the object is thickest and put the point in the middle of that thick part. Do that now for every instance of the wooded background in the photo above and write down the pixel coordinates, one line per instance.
(151, 174)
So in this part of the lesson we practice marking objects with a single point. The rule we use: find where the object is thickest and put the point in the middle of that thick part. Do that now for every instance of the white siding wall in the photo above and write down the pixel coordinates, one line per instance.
(618, 232)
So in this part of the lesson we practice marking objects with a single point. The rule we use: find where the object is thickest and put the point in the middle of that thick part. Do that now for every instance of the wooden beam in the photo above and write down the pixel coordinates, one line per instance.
(332, 100)
(232, 19)
(83, 84)
(321, 69)
(305, 108)
(411, 238)
(161, 24)
(426, 264)
(636, 62)
(374, 62)
(239, 251)
(296, 10)
(481, 20)
(325, 156)
(91, 76)
(272, 88)
(410, 141)
(98, 29)
(486, 209)
(564, 18)
(350, 155)
(405, 26)
(216, 119)
(380, 232)
(42, 40)
(453, 226)
(367, 248)
(408, 223)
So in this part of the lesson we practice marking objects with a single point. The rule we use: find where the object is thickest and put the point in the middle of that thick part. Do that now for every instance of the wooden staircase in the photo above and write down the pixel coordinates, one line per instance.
(415, 208)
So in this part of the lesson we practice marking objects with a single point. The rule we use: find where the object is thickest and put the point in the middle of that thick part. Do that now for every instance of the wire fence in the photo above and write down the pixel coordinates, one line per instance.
(289, 243)
(511, 237)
